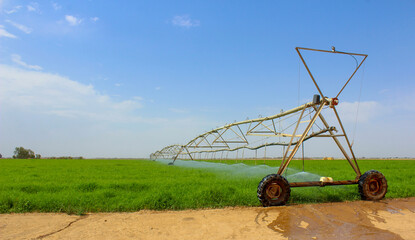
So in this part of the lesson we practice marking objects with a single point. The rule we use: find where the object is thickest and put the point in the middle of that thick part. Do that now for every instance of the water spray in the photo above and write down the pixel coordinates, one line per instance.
(298, 124)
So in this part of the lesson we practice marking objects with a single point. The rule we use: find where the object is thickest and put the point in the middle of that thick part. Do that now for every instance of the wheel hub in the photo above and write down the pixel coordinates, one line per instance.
(374, 185)
(273, 191)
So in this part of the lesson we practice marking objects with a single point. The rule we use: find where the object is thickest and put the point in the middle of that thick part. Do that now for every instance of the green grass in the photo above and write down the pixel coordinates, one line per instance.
(399, 174)
(78, 186)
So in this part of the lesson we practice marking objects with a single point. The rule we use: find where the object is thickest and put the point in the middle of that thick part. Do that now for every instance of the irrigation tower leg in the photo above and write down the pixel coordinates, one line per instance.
(297, 145)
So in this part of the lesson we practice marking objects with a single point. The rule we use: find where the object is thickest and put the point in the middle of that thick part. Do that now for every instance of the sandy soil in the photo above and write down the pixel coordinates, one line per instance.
(387, 219)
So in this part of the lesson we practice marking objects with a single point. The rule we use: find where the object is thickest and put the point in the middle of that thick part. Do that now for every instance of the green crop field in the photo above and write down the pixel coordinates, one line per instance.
(78, 186)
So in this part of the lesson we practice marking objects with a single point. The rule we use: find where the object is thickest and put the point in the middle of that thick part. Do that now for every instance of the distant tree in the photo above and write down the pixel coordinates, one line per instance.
(1, 156)
(38, 156)
(22, 153)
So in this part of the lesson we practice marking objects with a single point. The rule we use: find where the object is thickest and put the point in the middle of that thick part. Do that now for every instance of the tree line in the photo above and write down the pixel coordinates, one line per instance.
(23, 153)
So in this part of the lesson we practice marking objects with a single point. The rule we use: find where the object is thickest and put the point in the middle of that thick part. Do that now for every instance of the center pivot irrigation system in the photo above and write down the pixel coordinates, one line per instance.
(289, 129)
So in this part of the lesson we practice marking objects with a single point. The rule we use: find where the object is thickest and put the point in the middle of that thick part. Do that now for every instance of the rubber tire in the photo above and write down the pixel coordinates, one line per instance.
(364, 185)
(284, 194)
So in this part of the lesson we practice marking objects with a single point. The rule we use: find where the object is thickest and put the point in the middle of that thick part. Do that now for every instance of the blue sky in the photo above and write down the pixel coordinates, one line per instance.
(125, 78)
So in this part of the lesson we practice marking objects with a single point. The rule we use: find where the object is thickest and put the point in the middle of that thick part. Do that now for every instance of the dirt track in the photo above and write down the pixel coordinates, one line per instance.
(387, 219)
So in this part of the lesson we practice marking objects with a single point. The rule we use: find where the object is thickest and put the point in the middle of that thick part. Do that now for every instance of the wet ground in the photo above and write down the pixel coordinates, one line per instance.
(386, 219)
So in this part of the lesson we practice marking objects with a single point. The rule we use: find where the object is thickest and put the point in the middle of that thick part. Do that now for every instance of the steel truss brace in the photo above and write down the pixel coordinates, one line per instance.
(245, 134)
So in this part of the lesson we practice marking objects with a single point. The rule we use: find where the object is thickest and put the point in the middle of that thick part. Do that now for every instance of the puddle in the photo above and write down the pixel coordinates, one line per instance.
(347, 220)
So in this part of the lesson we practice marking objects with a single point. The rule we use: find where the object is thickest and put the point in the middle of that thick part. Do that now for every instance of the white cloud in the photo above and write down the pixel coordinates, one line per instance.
(403, 99)
(185, 21)
(21, 27)
(178, 110)
(94, 19)
(51, 94)
(73, 21)
(118, 84)
(33, 7)
(138, 98)
(13, 10)
(4, 33)
(56, 6)
(157, 88)
(383, 91)
(30, 8)
(17, 59)
(56, 116)
(364, 111)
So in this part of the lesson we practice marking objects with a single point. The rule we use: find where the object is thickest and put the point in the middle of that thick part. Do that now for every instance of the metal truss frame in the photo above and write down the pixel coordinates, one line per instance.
(232, 137)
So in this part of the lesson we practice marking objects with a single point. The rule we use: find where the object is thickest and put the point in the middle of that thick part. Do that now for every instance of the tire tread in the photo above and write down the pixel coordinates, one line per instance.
(262, 188)
(362, 181)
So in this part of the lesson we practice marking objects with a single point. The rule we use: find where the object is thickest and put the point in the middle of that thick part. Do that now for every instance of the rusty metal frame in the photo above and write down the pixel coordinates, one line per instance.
(232, 138)
(332, 104)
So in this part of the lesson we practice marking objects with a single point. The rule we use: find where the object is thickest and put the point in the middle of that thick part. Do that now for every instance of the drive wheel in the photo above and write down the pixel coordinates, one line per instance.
(273, 190)
(372, 185)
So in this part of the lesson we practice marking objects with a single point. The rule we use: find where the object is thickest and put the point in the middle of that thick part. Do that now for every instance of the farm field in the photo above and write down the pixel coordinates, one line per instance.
(79, 186)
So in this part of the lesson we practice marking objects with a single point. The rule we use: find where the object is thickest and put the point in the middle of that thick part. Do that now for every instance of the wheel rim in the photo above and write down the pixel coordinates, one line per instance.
(375, 186)
(273, 191)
